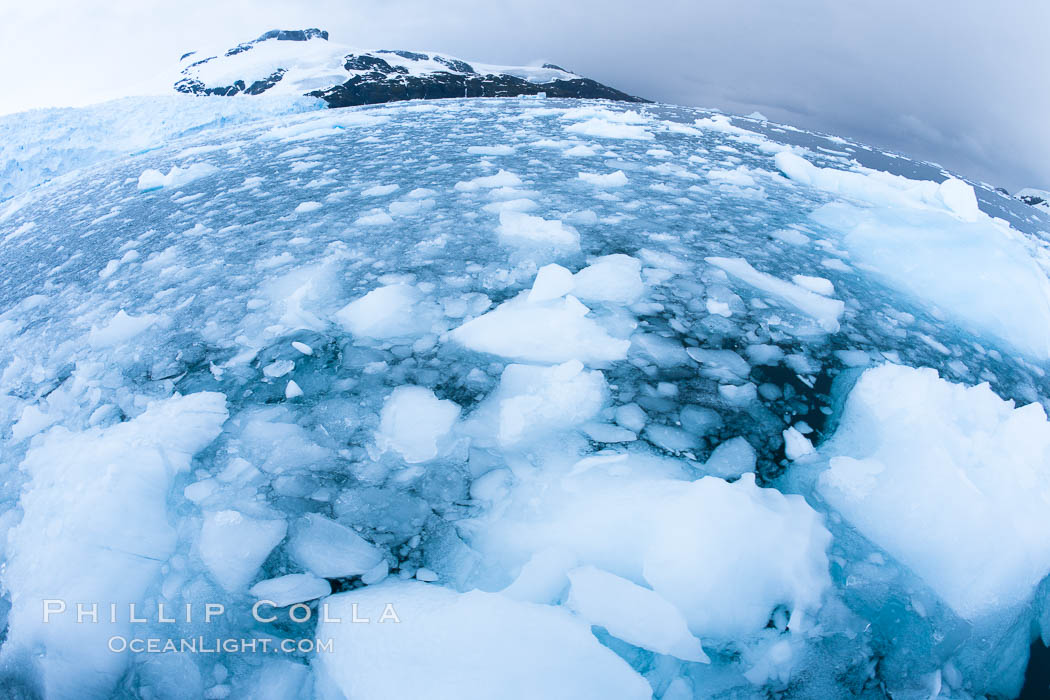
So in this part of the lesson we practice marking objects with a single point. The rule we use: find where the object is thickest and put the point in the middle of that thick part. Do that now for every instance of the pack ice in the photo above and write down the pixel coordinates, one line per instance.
(515, 398)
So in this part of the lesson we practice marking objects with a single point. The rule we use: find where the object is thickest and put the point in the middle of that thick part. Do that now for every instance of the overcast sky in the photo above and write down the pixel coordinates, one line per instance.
(959, 82)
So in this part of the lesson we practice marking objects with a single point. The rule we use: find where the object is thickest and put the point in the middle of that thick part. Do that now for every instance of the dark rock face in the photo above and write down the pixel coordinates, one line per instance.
(374, 79)
(373, 89)
(1031, 199)
(196, 87)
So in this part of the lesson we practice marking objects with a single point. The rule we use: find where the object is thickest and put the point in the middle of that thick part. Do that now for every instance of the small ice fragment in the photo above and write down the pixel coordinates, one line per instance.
(328, 549)
(820, 285)
(413, 423)
(292, 588)
(796, 444)
(233, 545)
(614, 179)
(552, 282)
(637, 615)
(307, 207)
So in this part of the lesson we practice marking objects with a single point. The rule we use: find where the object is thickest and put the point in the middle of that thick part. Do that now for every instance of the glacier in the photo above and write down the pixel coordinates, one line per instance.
(513, 398)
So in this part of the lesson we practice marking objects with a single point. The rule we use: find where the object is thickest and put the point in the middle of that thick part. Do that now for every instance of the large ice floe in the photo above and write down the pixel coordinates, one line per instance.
(513, 398)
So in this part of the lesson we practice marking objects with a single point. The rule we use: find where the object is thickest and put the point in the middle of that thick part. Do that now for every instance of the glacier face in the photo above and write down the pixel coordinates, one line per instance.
(598, 401)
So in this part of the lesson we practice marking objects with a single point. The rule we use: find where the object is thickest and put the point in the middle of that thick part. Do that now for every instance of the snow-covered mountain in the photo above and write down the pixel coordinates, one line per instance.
(305, 62)
(1035, 198)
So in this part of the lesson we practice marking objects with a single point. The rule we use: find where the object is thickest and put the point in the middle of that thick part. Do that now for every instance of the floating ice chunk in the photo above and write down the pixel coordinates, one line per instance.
(328, 549)
(732, 459)
(501, 150)
(632, 417)
(700, 420)
(553, 332)
(603, 432)
(176, 177)
(464, 645)
(825, 311)
(764, 354)
(981, 272)
(278, 368)
(796, 444)
(526, 231)
(292, 390)
(740, 176)
(31, 421)
(426, 575)
(120, 329)
(292, 588)
(725, 554)
(949, 479)
(552, 282)
(376, 217)
(602, 128)
(790, 235)
(614, 278)
(307, 207)
(718, 308)
(74, 542)
(379, 190)
(738, 395)
(632, 613)
(414, 422)
(820, 285)
(614, 179)
(534, 400)
(732, 552)
(401, 208)
(670, 438)
(959, 198)
(502, 178)
(854, 358)
(580, 150)
(882, 188)
(664, 352)
(233, 545)
(302, 347)
(385, 312)
(520, 204)
(543, 578)
(723, 365)
(273, 679)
